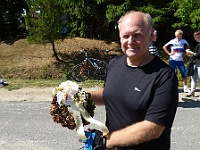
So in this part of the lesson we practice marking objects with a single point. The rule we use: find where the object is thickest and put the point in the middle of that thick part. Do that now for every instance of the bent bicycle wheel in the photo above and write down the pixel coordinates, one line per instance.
(80, 73)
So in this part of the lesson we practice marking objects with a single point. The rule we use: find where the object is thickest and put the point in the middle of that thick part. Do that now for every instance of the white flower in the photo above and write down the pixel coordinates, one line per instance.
(66, 92)
(55, 91)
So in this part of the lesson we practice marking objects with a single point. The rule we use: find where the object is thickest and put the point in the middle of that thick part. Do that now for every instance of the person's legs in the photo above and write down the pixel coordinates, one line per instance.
(182, 69)
(193, 82)
(172, 64)
(198, 76)
(194, 78)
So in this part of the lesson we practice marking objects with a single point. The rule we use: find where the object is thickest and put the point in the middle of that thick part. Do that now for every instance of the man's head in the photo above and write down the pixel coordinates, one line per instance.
(146, 19)
(179, 34)
(155, 35)
(136, 33)
(196, 36)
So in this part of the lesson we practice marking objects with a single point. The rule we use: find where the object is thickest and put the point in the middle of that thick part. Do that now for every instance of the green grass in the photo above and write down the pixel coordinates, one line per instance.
(15, 84)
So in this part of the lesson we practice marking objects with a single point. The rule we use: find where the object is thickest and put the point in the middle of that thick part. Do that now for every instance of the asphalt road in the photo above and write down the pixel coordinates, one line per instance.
(28, 126)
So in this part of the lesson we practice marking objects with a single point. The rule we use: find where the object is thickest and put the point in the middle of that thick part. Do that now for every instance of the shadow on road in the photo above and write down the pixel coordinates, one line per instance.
(189, 103)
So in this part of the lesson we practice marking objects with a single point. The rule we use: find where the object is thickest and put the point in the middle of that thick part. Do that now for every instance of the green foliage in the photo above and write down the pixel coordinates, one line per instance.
(188, 12)
(67, 75)
(11, 18)
(114, 12)
(80, 14)
(91, 18)
(45, 19)
(157, 14)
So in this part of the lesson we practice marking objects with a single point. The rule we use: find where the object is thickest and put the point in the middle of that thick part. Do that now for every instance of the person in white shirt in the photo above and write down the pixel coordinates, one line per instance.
(175, 48)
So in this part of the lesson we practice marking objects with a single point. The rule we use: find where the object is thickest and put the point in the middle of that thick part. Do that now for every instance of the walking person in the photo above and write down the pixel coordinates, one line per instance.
(152, 48)
(196, 54)
(175, 48)
(140, 93)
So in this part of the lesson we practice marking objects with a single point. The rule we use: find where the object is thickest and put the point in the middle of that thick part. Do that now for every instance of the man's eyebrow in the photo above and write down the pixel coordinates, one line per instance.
(138, 32)
(197, 33)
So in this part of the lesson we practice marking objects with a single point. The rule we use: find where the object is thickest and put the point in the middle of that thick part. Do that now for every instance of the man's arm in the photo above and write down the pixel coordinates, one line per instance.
(135, 134)
(97, 96)
(167, 51)
(186, 47)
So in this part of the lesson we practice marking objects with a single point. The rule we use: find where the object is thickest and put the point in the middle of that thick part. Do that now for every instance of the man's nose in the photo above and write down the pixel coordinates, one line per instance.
(131, 39)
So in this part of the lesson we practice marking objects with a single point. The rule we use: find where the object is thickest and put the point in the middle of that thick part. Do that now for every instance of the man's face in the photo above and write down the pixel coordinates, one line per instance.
(179, 36)
(134, 37)
(197, 37)
(155, 36)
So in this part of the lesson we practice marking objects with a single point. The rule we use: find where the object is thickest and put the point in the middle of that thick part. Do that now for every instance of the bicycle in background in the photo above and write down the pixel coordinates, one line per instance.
(91, 67)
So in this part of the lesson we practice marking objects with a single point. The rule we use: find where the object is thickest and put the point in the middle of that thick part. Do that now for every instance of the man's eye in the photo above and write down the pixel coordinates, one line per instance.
(125, 36)
(137, 36)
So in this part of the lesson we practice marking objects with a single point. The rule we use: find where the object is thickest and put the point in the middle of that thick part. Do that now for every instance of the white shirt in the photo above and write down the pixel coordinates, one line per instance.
(178, 47)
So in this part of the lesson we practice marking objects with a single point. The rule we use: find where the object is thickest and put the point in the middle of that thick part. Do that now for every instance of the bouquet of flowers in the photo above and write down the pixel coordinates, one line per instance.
(73, 108)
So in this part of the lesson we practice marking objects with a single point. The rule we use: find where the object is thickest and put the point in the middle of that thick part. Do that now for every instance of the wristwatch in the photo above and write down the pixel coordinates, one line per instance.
(101, 145)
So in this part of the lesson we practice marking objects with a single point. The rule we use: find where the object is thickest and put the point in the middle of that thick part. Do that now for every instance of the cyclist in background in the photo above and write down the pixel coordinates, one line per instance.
(175, 48)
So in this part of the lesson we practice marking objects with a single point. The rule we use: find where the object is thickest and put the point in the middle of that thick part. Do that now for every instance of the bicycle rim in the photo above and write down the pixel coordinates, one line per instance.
(80, 73)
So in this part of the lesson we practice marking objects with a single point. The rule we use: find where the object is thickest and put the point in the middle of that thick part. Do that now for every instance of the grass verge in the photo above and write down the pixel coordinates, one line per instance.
(14, 84)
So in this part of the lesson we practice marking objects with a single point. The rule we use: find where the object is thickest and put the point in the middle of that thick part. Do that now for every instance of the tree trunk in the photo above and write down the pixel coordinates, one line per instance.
(54, 51)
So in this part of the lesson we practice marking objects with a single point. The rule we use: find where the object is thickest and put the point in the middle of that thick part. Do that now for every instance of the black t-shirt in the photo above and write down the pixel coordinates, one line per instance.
(134, 94)
(197, 51)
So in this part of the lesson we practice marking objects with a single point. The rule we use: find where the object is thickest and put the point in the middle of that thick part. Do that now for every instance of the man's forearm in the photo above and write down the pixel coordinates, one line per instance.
(97, 96)
(166, 51)
(135, 134)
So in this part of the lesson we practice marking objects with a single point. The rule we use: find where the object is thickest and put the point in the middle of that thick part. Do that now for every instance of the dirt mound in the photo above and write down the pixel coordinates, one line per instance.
(19, 59)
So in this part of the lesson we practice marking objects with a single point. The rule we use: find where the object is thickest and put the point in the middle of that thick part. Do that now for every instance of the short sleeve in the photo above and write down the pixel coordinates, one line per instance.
(164, 104)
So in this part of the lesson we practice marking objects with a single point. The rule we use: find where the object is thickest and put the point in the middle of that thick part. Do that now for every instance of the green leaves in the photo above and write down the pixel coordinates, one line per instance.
(188, 12)
(45, 20)
(114, 12)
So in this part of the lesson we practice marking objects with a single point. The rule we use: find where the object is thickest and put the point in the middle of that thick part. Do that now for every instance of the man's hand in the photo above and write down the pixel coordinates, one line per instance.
(95, 140)
(172, 53)
(190, 52)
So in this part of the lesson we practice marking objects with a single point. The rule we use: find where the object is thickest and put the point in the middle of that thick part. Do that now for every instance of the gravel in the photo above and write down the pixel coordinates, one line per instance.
(31, 94)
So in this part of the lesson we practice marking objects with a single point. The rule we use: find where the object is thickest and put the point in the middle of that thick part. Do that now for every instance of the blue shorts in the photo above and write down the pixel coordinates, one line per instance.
(180, 66)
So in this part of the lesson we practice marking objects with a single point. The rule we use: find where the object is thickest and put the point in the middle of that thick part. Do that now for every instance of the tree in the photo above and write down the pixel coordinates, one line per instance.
(10, 14)
(95, 18)
(46, 20)
(162, 15)
(188, 13)
(98, 18)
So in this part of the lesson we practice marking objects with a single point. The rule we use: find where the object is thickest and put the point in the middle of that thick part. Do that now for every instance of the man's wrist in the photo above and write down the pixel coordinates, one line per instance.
(104, 141)
(102, 144)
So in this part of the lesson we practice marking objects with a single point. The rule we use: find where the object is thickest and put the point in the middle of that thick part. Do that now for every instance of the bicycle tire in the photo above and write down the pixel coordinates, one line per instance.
(80, 73)
(103, 68)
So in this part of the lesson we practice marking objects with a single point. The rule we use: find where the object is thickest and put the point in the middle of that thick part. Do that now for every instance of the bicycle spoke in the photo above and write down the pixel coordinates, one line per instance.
(80, 73)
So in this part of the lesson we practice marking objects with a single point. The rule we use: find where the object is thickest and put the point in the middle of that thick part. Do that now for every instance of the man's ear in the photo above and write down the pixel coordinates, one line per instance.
(151, 35)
